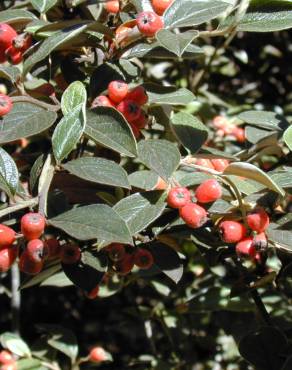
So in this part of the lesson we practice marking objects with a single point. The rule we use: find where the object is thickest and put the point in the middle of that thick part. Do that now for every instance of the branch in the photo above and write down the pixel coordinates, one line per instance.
(17, 207)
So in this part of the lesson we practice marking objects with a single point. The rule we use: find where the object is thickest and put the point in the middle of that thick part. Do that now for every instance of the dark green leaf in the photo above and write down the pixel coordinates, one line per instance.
(8, 173)
(145, 179)
(30, 364)
(42, 276)
(288, 137)
(74, 95)
(263, 119)
(42, 6)
(176, 43)
(102, 76)
(16, 16)
(10, 73)
(35, 172)
(168, 95)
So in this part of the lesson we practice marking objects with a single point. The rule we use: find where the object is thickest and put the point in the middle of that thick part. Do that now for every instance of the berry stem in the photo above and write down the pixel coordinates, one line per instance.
(17, 207)
(15, 299)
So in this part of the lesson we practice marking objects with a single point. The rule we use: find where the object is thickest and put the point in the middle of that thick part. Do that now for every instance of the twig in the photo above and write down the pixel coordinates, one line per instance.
(15, 298)
(29, 99)
(17, 207)
(201, 168)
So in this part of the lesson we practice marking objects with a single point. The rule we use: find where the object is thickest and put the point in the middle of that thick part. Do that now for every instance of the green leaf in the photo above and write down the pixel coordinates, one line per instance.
(42, 6)
(108, 127)
(99, 170)
(15, 344)
(30, 364)
(282, 238)
(288, 137)
(8, 173)
(35, 172)
(168, 95)
(92, 222)
(176, 43)
(145, 179)
(51, 43)
(43, 275)
(10, 73)
(191, 132)
(68, 132)
(160, 156)
(74, 95)
(255, 134)
(265, 120)
(58, 280)
(16, 16)
(140, 209)
(24, 120)
(252, 172)
(188, 13)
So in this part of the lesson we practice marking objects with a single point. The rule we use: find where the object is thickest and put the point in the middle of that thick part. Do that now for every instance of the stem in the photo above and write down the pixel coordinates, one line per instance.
(26, 204)
(201, 168)
(261, 307)
(15, 298)
(46, 178)
(29, 99)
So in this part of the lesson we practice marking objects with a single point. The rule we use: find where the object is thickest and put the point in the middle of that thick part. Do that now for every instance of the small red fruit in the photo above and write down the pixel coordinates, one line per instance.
(194, 215)
(102, 101)
(125, 265)
(239, 134)
(209, 191)
(161, 184)
(232, 231)
(5, 105)
(7, 258)
(143, 259)
(203, 162)
(54, 247)
(7, 34)
(6, 357)
(160, 6)
(260, 241)
(28, 266)
(10, 366)
(116, 251)
(37, 250)
(149, 23)
(245, 248)
(70, 254)
(220, 121)
(129, 109)
(117, 91)
(7, 236)
(93, 293)
(220, 164)
(259, 220)
(13, 55)
(138, 95)
(32, 225)
(112, 6)
(97, 354)
(22, 42)
(141, 121)
(178, 197)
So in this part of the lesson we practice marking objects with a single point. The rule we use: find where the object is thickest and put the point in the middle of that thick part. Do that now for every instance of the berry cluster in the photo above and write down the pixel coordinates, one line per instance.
(126, 101)
(7, 360)
(12, 45)
(227, 128)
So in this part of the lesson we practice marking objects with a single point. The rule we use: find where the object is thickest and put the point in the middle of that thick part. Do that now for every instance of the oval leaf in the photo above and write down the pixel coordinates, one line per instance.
(175, 43)
(288, 137)
(42, 6)
(168, 95)
(8, 173)
(74, 95)
(15, 344)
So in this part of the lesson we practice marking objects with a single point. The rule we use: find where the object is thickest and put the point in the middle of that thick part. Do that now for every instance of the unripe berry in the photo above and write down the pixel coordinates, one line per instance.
(138, 95)
(93, 293)
(112, 6)
(117, 91)
(7, 236)
(149, 23)
(209, 191)
(143, 259)
(160, 6)
(245, 248)
(232, 231)
(259, 220)
(220, 164)
(194, 215)
(54, 247)
(6, 357)
(32, 225)
(97, 354)
(5, 105)
(125, 265)
(28, 266)
(37, 250)
(70, 254)
(102, 101)
(130, 110)
(7, 34)
(178, 197)
(7, 258)
(116, 251)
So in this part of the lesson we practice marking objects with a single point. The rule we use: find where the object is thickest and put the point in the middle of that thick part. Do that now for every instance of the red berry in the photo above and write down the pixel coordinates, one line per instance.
(112, 6)
(149, 23)
(6, 357)
(117, 91)
(143, 259)
(258, 220)
(102, 101)
(116, 251)
(220, 164)
(7, 236)
(22, 42)
(32, 225)
(138, 95)
(97, 354)
(93, 293)
(141, 121)
(178, 197)
(28, 266)
(7, 34)
(7, 258)
(10, 366)
(161, 184)
(13, 55)
(260, 241)
(129, 109)
(220, 121)
(209, 191)
(203, 162)
(232, 231)
(5, 105)
(54, 247)
(125, 265)
(194, 215)
(160, 6)
(37, 250)
(239, 134)
(70, 254)
(245, 248)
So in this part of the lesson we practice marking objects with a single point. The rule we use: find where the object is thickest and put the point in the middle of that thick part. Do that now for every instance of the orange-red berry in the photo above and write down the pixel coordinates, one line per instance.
(37, 250)
(10, 366)
(220, 164)
(7, 258)
(194, 215)
(97, 354)
(245, 248)
(54, 247)
(141, 121)
(6, 357)
(138, 95)
(117, 90)
(259, 220)
(232, 231)
(130, 110)
(125, 265)
(143, 259)
(178, 197)
(70, 253)
(112, 6)
(116, 251)
(13, 55)
(160, 6)
(204, 162)
(5, 105)
(209, 191)
(102, 101)
(7, 236)
(7, 34)
(239, 134)
(149, 23)
(32, 225)
(220, 121)
(28, 266)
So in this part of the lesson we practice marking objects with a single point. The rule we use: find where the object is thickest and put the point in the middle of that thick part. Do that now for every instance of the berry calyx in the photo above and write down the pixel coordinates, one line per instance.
(138, 95)
(178, 197)
(6, 357)
(232, 231)
(209, 191)
(37, 250)
(245, 248)
(143, 259)
(259, 220)
(70, 254)
(112, 6)
(102, 101)
(149, 23)
(7, 34)
(130, 110)
(97, 354)
(220, 164)
(5, 105)
(125, 265)
(32, 225)
(7, 236)
(160, 6)
(28, 266)
(93, 293)
(7, 258)
(116, 251)
(117, 91)
(194, 215)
